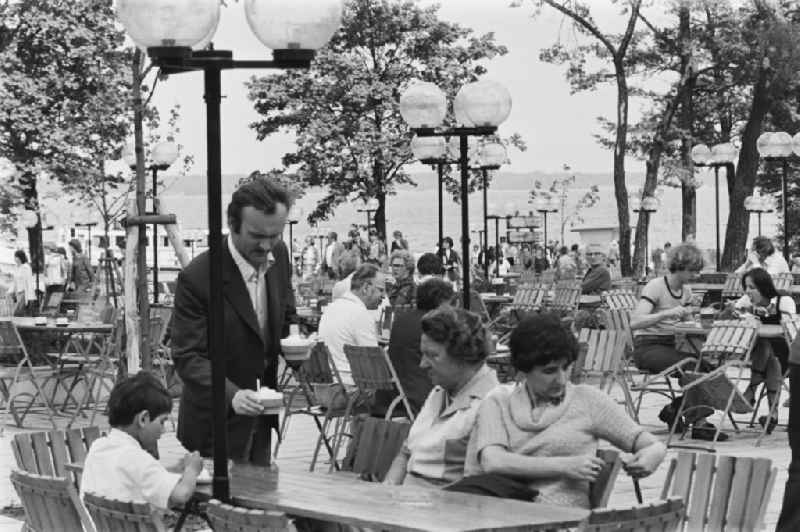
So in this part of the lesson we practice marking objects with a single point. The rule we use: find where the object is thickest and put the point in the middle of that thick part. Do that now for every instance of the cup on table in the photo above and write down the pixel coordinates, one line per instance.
(707, 318)
(71, 315)
(40, 320)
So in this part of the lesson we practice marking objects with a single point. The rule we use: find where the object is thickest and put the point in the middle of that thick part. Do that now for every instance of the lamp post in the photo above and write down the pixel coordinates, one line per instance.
(433, 151)
(720, 155)
(490, 156)
(293, 32)
(647, 206)
(370, 207)
(779, 146)
(479, 108)
(545, 206)
(295, 213)
(162, 157)
(758, 205)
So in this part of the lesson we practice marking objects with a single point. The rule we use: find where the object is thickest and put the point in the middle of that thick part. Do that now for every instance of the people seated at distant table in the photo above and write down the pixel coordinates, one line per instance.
(544, 431)
(764, 256)
(664, 301)
(404, 349)
(454, 349)
(770, 355)
(597, 278)
(566, 268)
(347, 320)
(403, 291)
(121, 465)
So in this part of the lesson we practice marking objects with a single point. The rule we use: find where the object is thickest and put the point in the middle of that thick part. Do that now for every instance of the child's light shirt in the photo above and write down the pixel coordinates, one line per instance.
(117, 467)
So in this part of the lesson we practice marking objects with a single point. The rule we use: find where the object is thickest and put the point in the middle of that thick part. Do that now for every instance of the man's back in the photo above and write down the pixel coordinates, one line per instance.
(346, 321)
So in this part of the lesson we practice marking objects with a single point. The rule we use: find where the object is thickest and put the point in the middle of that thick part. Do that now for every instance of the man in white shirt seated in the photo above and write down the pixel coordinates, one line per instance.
(764, 256)
(118, 466)
(348, 320)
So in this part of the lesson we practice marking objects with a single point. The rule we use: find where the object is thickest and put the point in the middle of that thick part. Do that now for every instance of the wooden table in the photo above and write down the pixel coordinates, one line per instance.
(26, 323)
(489, 297)
(587, 300)
(344, 499)
(694, 329)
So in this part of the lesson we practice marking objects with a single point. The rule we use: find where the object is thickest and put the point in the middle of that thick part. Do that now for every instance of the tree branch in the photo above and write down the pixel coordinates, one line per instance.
(588, 26)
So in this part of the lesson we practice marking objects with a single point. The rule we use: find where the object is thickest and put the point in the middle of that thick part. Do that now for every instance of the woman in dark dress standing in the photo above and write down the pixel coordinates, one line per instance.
(450, 260)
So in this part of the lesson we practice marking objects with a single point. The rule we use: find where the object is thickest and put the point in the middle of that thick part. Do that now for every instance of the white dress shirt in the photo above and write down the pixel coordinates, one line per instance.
(347, 321)
(117, 467)
(255, 281)
(774, 264)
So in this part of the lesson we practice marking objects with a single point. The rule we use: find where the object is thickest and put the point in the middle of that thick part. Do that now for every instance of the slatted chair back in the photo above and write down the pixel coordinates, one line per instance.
(620, 320)
(790, 325)
(226, 518)
(48, 453)
(730, 340)
(527, 277)
(50, 503)
(529, 297)
(372, 370)
(123, 516)
(547, 278)
(565, 299)
(7, 307)
(661, 516)
(375, 444)
(783, 281)
(601, 353)
(317, 369)
(721, 492)
(615, 272)
(600, 490)
(733, 286)
(619, 299)
(52, 303)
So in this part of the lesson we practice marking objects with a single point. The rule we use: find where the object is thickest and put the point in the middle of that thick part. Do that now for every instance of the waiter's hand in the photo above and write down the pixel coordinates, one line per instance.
(245, 403)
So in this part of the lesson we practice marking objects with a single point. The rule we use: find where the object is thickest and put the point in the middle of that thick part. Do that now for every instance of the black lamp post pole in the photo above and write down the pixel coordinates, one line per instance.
(716, 212)
(647, 213)
(785, 193)
(440, 173)
(155, 237)
(291, 223)
(485, 241)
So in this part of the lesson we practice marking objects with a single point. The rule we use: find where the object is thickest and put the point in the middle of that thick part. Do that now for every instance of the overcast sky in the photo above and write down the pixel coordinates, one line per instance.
(558, 127)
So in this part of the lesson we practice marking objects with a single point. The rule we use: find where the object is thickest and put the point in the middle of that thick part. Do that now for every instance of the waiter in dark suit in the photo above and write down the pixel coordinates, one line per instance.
(259, 303)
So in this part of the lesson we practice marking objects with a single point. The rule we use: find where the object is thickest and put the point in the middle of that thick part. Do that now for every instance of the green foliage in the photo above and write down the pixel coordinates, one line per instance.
(350, 136)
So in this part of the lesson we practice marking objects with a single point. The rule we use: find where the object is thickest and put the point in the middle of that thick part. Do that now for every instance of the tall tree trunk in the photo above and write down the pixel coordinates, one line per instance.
(620, 187)
(35, 248)
(686, 121)
(141, 260)
(745, 176)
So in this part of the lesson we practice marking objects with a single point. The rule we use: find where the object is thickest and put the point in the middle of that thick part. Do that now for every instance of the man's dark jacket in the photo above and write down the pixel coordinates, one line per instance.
(249, 354)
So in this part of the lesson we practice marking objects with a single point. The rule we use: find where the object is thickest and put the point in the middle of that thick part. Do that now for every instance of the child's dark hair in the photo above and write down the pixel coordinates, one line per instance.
(130, 396)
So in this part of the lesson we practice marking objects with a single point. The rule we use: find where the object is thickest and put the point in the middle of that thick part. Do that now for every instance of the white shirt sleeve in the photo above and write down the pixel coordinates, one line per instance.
(787, 305)
(155, 482)
(365, 331)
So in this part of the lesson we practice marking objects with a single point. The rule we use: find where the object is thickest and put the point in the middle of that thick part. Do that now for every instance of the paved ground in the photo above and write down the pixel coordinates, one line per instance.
(297, 450)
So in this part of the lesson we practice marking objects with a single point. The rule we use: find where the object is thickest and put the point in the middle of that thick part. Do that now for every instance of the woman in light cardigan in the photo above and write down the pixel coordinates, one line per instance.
(544, 431)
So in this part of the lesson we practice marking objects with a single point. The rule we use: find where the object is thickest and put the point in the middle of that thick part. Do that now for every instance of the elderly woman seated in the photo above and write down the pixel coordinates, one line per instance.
(403, 291)
(454, 350)
(544, 430)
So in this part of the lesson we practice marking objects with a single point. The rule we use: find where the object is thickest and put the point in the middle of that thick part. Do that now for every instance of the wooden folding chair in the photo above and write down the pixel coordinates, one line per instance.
(721, 492)
(16, 367)
(660, 516)
(226, 518)
(374, 445)
(619, 320)
(48, 453)
(619, 298)
(316, 371)
(51, 305)
(600, 490)
(371, 370)
(713, 277)
(565, 299)
(7, 307)
(112, 515)
(783, 281)
(600, 361)
(50, 503)
(732, 289)
(729, 343)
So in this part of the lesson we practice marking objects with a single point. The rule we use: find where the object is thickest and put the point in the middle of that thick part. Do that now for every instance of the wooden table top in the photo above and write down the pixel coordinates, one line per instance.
(28, 323)
(344, 499)
(714, 287)
(692, 328)
(494, 298)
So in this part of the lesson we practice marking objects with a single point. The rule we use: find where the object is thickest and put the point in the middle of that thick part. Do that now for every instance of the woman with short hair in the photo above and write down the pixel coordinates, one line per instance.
(454, 348)
(23, 290)
(403, 290)
(763, 255)
(663, 302)
(544, 431)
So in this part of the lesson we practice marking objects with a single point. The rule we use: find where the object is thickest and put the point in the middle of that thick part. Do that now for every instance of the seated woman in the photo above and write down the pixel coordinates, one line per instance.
(665, 301)
(545, 430)
(454, 349)
(769, 355)
(764, 256)
(403, 291)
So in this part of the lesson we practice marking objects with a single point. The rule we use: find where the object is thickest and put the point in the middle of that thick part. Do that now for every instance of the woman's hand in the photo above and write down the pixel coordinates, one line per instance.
(584, 467)
(646, 461)
(677, 312)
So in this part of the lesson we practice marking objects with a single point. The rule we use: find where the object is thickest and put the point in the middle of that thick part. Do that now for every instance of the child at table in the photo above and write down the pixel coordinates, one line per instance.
(118, 466)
